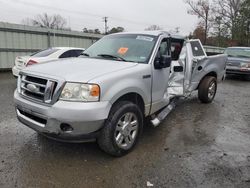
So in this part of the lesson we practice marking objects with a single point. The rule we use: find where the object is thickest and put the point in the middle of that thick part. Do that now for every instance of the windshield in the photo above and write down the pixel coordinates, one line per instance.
(238, 52)
(44, 53)
(123, 47)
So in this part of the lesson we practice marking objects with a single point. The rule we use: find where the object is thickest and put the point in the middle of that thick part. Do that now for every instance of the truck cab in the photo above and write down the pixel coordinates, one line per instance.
(119, 81)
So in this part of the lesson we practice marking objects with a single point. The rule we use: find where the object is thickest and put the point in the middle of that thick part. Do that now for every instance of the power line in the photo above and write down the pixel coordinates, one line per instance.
(145, 24)
(82, 13)
(55, 8)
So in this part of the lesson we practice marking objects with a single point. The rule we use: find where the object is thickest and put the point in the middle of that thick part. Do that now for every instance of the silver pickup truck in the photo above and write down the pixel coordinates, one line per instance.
(119, 81)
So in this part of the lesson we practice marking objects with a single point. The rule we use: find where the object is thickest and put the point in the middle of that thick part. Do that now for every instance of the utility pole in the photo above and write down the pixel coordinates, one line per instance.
(248, 33)
(105, 19)
(177, 30)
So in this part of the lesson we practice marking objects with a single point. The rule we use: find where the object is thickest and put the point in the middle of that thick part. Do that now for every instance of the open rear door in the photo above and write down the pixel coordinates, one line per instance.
(177, 75)
(192, 55)
(196, 64)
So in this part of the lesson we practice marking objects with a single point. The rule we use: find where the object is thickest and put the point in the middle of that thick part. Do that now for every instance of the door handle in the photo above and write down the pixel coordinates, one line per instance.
(146, 76)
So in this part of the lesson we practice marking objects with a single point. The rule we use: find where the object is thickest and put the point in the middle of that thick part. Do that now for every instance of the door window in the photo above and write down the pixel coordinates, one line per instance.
(44, 53)
(71, 53)
(176, 48)
(78, 53)
(164, 49)
(197, 48)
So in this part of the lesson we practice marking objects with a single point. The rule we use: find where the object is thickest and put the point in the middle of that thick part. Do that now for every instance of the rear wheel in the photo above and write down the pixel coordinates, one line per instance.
(122, 129)
(207, 89)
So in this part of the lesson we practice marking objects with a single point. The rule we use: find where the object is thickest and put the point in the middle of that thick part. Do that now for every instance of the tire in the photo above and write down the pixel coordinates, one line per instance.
(207, 89)
(122, 129)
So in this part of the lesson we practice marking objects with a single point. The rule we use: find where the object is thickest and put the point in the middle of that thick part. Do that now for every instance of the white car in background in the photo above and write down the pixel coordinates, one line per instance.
(45, 56)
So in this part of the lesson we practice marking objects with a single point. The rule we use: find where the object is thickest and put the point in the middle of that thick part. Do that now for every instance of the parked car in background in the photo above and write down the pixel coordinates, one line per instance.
(238, 61)
(45, 56)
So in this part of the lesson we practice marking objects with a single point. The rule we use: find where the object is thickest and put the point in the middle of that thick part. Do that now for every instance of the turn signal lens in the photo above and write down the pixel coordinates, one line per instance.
(31, 62)
(95, 91)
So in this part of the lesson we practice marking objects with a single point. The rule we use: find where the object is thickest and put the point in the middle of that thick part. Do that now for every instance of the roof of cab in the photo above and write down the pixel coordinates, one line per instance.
(67, 48)
(154, 33)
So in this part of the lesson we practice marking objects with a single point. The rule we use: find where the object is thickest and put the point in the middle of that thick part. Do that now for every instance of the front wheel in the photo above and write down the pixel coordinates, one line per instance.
(122, 129)
(207, 89)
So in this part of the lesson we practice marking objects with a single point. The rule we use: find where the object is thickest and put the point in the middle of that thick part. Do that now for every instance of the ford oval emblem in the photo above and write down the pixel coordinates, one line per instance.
(32, 88)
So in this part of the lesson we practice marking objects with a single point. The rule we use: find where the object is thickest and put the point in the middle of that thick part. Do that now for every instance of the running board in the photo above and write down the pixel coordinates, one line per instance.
(163, 114)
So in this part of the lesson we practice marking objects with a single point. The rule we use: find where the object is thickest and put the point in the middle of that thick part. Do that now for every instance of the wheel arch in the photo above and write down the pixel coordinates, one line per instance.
(133, 97)
(212, 73)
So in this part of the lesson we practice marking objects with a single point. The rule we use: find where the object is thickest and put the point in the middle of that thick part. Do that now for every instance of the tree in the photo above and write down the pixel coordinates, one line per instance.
(176, 30)
(94, 31)
(97, 31)
(116, 30)
(228, 22)
(229, 11)
(202, 9)
(85, 30)
(243, 24)
(49, 21)
(153, 28)
(199, 32)
(219, 32)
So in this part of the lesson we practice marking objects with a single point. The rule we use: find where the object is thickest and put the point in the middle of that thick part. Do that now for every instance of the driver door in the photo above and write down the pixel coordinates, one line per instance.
(160, 77)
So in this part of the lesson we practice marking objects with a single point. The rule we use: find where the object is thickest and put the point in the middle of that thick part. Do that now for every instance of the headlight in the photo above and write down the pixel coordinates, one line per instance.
(80, 92)
(245, 65)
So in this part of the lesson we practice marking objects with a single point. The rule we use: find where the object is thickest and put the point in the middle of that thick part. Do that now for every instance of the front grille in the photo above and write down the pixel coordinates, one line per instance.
(234, 64)
(37, 88)
(238, 71)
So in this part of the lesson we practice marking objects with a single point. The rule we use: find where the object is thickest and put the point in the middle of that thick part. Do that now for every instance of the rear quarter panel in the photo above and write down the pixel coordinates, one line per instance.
(211, 64)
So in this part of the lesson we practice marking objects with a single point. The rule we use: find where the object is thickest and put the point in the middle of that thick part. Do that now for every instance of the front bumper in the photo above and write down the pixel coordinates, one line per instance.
(84, 119)
(240, 71)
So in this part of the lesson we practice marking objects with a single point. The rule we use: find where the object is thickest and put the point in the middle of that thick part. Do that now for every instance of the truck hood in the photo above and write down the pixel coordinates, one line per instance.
(78, 69)
(236, 61)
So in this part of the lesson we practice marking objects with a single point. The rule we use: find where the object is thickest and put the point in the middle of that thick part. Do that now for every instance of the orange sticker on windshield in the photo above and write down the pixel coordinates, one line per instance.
(122, 51)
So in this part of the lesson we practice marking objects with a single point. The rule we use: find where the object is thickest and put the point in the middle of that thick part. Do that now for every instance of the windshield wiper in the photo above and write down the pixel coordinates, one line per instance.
(85, 54)
(112, 56)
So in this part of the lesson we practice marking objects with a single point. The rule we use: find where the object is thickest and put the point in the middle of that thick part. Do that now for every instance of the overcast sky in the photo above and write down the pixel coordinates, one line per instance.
(133, 15)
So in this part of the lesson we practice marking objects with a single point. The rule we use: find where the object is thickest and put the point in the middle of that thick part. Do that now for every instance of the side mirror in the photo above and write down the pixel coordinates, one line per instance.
(162, 62)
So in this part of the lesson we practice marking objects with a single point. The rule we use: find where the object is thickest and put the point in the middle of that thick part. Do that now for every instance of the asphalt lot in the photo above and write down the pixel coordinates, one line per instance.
(198, 145)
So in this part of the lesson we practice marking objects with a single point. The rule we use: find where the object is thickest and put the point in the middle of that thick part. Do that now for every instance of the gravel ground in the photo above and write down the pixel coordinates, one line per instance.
(198, 145)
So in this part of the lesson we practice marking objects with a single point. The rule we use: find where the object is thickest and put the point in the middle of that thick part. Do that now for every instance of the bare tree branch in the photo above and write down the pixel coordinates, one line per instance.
(202, 9)
(44, 20)
(153, 28)
(229, 11)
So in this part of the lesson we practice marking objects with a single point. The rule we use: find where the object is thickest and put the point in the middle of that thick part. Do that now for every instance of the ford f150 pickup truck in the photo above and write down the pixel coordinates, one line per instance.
(117, 83)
